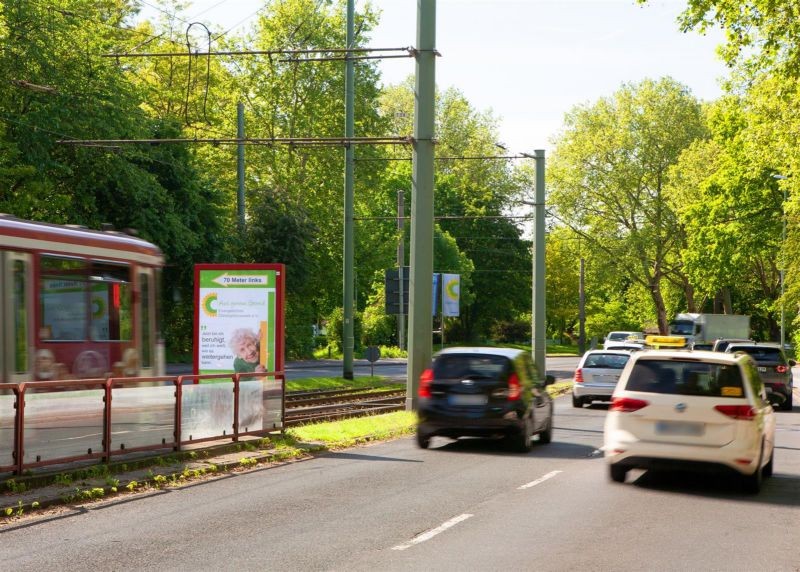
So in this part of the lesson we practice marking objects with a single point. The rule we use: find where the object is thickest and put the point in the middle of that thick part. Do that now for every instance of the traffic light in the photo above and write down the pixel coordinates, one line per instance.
(392, 290)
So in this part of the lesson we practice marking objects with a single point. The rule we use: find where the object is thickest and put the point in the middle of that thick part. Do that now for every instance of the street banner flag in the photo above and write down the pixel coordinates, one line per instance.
(451, 289)
(437, 279)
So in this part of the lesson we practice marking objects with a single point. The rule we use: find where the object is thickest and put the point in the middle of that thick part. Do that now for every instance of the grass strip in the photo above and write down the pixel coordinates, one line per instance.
(349, 432)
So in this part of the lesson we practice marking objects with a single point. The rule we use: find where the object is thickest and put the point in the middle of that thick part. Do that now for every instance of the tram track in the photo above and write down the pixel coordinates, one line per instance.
(317, 406)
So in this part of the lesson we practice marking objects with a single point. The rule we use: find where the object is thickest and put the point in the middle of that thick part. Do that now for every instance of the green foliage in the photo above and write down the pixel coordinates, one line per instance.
(335, 328)
(608, 178)
(511, 331)
(13, 486)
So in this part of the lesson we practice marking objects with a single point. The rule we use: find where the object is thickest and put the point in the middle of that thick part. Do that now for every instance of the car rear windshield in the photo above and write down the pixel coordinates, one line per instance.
(606, 361)
(469, 365)
(761, 354)
(686, 378)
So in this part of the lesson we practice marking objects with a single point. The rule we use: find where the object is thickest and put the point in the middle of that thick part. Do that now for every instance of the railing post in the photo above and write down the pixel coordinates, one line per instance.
(107, 421)
(283, 402)
(236, 407)
(178, 411)
(19, 429)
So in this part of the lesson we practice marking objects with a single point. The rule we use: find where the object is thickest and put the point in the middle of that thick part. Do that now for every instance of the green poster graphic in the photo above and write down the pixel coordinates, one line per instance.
(236, 321)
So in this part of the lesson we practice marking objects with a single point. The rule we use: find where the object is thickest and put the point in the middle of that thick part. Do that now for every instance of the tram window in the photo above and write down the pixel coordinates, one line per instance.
(62, 299)
(111, 299)
(145, 312)
(157, 284)
(20, 309)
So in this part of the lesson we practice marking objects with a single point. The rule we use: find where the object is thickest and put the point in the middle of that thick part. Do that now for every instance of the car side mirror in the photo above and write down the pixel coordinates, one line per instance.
(549, 380)
(792, 363)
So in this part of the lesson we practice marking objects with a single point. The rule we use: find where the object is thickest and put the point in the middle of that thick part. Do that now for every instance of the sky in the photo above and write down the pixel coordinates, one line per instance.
(528, 61)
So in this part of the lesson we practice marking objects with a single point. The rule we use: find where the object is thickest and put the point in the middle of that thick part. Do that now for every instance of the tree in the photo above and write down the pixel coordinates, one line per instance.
(608, 176)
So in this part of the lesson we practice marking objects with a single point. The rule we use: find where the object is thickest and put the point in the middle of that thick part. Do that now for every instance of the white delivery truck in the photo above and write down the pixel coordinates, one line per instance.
(700, 330)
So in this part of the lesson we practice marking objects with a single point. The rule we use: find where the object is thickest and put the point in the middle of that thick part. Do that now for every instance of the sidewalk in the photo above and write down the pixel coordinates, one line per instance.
(109, 483)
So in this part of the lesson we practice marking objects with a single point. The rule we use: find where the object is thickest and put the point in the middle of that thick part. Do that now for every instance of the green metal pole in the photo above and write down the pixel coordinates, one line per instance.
(348, 342)
(420, 323)
(240, 164)
(401, 256)
(539, 317)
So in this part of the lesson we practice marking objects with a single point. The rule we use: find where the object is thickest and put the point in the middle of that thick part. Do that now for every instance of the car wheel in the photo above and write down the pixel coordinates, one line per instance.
(752, 483)
(521, 442)
(547, 435)
(787, 405)
(617, 473)
(577, 401)
(423, 441)
(769, 467)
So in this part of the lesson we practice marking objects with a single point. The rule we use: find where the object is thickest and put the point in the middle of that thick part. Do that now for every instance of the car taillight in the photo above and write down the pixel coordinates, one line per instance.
(513, 387)
(425, 383)
(781, 368)
(737, 411)
(578, 375)
(627, 404)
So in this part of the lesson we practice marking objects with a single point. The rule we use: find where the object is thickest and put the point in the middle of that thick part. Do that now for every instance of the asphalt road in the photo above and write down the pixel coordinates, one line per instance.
(464, 505)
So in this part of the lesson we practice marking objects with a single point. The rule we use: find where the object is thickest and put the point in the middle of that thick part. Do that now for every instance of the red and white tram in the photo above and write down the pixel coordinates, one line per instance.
(77, 303)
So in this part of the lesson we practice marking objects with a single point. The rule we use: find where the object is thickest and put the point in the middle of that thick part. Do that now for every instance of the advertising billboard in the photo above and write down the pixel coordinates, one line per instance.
(238, 318)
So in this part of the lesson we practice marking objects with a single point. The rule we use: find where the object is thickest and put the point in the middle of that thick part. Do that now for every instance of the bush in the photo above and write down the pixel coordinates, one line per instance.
(335, 324)
(511, 331)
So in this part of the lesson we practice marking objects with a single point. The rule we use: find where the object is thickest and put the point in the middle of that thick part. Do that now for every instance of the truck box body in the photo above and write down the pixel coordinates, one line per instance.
(705, 328)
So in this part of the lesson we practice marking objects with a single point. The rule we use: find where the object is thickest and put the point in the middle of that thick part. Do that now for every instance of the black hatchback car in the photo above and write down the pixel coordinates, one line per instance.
(484, 392)
(773, 367)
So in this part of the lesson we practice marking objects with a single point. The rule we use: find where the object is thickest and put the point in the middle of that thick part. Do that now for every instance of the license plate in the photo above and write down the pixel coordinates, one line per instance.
(762, 369)
(680, 428)
(476, 399)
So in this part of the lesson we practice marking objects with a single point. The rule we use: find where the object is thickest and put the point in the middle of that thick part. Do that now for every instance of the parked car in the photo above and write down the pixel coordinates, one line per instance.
(630, 346)
(774, 368)
(722, 344)
(622, 337)
(484, 392)
(597, 375)
(691, 410)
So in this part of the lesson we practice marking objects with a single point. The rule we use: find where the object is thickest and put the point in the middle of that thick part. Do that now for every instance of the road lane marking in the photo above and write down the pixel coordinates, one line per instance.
(538, 481)
(432, 532)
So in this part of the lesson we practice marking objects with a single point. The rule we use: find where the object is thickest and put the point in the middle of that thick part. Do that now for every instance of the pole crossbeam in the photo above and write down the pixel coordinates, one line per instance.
(299, 141)
(411, 51)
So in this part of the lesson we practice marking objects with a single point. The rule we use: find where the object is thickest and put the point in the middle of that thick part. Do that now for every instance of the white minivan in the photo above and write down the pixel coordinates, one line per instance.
(694, 410)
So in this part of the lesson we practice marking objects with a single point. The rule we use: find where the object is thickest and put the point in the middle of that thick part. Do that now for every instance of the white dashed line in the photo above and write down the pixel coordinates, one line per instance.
(540, 480)
(432, 532)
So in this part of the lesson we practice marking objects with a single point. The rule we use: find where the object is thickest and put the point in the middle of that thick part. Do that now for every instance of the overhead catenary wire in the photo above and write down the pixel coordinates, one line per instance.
(449, 158)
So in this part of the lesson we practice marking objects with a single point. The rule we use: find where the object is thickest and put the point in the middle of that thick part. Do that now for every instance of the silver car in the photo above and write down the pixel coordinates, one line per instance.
(597, 375)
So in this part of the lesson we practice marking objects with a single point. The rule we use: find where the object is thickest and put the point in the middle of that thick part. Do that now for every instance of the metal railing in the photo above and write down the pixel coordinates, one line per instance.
(58, 422)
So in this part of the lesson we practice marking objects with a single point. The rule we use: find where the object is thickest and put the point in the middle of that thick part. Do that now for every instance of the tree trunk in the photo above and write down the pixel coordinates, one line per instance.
(688, 289)
(658, 302)
(727, 305)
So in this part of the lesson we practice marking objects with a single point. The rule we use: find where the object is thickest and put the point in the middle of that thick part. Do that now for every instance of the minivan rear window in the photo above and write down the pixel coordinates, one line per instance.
(761, 354)
(606, 361)
(469, 365)
(679, 377)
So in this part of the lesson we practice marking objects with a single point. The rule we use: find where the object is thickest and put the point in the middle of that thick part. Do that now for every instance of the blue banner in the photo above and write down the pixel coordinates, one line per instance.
(437, 280)
(451, 291)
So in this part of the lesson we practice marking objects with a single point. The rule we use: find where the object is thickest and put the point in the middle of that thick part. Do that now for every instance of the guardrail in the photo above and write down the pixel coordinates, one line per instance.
(57, 422)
